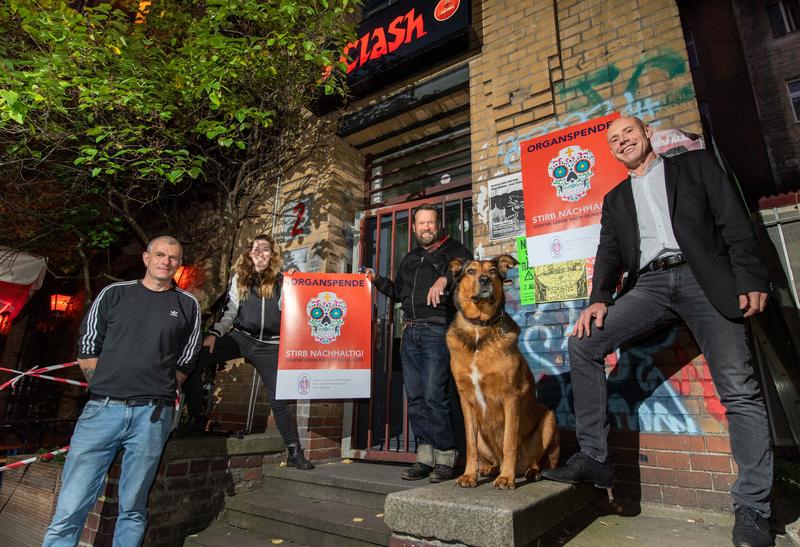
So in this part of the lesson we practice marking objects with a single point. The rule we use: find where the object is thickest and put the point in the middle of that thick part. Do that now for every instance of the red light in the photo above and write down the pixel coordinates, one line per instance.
(185, 276)
(60, 302)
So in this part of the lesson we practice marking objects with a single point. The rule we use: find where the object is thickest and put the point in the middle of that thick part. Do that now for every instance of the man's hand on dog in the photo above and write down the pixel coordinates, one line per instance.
(583, 325)
(436, 291)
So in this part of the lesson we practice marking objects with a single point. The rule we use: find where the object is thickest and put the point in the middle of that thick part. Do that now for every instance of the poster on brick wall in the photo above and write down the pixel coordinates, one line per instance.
(565, 175)
(325, 347)
(506, 211)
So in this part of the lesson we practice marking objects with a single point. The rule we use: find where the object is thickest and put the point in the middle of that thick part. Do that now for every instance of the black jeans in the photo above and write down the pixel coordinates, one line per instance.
(426, 376)
(264, 357)
(657, 299)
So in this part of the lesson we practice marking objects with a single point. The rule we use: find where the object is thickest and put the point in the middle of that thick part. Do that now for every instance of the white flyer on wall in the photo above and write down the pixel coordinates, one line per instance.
(506, 208)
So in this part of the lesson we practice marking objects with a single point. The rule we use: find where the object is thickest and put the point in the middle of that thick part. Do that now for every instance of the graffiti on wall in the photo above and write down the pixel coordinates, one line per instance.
(586, 90)
(648, 385)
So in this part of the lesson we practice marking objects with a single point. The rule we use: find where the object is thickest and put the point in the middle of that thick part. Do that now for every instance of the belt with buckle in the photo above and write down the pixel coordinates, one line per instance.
(664, 263)
(127, 402)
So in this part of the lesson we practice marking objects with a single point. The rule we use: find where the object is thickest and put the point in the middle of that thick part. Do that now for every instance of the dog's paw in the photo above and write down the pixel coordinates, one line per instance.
(533, 474)
(504, 483)
(488, 470)
(467, 481)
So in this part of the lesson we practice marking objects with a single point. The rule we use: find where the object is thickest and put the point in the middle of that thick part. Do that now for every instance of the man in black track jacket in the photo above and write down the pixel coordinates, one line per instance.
(421, 285)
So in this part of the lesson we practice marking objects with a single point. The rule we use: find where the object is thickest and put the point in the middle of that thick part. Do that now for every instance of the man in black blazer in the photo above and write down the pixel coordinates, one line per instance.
(678, 233)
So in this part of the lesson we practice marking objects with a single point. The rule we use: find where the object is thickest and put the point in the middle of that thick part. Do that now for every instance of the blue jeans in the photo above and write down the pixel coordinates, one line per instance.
(102, 430)
(426, 376)
(658, 299)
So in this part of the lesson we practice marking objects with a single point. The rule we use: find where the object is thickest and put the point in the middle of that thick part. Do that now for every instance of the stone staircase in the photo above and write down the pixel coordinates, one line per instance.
(366, 504)
(336, 504)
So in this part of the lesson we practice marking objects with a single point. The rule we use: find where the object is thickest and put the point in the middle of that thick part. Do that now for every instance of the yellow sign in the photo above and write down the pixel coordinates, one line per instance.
(561, 281)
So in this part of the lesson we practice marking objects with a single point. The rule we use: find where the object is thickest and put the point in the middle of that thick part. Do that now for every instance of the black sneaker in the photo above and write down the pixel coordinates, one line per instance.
(441, 473)
(751, 529)
(582, 468)
(416, 472)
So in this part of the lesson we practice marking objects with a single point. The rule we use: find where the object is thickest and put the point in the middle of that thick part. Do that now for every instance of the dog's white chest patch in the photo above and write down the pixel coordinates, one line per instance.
(475, 376)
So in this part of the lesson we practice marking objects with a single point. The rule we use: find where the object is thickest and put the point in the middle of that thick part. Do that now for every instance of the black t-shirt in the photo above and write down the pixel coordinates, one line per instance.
(140, 337)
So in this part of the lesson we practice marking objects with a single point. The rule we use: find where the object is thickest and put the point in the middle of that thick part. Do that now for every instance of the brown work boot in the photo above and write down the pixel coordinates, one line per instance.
(416, 472)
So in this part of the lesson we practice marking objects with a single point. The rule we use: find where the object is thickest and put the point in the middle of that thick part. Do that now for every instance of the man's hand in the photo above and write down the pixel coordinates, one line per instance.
(87, 367)
(209, 342)
(181, 377)
(436, 291)
(752, 303)
(370, 273)
(583, 325)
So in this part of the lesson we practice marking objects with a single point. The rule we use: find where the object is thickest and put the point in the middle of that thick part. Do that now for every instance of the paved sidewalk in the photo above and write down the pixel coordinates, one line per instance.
(654, 526)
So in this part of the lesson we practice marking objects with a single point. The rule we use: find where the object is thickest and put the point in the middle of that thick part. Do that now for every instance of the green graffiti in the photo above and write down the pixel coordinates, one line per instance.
(682, 95)
(665, 60)
(586, 84)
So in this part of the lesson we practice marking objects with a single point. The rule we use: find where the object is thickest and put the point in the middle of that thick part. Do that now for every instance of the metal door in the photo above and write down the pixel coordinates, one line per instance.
(380, 425)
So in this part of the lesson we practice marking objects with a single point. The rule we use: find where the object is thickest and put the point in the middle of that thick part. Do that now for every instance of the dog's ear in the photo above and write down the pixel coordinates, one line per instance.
(505, 263)
(456, 267)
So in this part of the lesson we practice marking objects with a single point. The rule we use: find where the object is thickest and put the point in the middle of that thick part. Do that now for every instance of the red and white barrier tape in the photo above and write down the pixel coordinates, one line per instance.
(45, 376)
(37, 372)
(44, 457)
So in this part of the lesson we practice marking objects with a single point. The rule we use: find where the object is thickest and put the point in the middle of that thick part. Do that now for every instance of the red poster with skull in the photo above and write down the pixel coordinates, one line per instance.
(325, 347)
(565, 175)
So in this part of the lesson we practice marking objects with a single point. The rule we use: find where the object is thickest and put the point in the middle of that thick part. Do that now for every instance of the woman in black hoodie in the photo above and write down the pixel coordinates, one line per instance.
(250, 328)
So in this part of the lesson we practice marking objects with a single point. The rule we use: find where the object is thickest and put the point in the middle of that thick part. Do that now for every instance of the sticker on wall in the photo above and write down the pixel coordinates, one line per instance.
(561, 281)
(296, 258)
(527, 285)
(506, 209)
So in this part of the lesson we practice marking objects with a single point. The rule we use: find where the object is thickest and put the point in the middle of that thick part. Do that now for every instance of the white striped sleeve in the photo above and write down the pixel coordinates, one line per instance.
(93, 327)
(193, 344)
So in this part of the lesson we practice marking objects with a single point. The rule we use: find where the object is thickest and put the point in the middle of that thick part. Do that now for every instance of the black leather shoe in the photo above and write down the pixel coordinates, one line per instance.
(297, 459)
(582, 468)
(416, 472)
(441, 473)
(751, 529)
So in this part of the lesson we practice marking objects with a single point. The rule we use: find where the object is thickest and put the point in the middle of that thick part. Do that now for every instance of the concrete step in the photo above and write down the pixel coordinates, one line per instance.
(484, 515)
(228, 536)
(306, 521)
(358, 483)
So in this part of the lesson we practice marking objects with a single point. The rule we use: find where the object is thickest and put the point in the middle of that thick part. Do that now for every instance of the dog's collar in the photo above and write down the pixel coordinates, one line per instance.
(498, 318)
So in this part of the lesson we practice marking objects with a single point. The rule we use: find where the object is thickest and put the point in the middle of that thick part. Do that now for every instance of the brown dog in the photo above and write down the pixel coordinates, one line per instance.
(506, 426)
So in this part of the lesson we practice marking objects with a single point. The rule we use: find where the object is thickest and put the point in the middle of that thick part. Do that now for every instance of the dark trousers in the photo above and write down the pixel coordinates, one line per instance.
(657, 299)
(264, 357)
(426, 376)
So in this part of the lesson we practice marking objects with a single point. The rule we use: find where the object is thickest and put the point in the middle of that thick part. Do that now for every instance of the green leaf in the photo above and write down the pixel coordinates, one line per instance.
(175, 175)
(96, 171)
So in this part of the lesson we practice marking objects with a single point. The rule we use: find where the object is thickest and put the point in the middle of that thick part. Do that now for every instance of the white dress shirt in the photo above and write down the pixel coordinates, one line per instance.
(652, 211)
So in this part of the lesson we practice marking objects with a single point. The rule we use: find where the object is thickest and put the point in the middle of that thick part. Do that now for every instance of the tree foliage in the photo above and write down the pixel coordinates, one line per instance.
(107, 125)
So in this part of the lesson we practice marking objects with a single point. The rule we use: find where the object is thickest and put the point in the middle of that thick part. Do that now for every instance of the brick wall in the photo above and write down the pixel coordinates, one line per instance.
(547, 65)
(333, 177)
(193, 480)
(772, 62)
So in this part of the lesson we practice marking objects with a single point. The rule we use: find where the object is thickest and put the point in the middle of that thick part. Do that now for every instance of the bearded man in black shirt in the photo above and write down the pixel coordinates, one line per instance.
(422, 285)
(133, 343)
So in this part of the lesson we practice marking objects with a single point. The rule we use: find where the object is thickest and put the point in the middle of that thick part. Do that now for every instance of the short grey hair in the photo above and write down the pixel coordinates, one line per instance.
(169, 240)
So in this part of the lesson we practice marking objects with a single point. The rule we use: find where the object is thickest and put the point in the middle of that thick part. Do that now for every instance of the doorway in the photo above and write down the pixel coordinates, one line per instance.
(380, 425)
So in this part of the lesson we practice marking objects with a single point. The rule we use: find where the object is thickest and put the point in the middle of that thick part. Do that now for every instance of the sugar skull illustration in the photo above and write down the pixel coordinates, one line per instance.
(571, 172)
(326, 313)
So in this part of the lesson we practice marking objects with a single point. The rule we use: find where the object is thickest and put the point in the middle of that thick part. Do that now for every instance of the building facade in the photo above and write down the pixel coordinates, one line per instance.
(444, 93)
